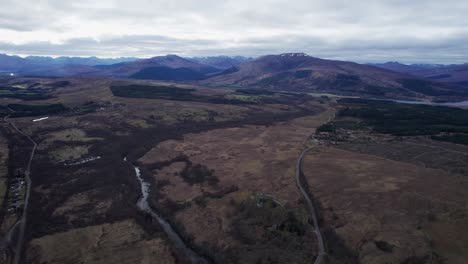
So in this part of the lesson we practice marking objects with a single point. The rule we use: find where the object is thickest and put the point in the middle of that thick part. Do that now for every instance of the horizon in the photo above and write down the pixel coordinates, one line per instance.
(24, 56)
(338, 30)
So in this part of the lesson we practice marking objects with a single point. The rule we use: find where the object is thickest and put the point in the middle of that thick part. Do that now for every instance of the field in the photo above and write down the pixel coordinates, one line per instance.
(390, 211)
(99, 244)
(396, 179)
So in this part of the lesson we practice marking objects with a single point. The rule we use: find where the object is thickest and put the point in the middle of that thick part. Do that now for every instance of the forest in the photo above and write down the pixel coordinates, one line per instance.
(440, 122)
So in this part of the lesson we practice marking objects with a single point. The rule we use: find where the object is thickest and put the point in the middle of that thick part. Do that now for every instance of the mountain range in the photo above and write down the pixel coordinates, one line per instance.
(292, 72)
(302, 73)
(454, 74)
(31, 64)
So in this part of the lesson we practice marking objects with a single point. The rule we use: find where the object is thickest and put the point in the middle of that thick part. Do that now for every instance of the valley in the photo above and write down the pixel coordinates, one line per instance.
(76, 195)
(233, 132)
(227, 170)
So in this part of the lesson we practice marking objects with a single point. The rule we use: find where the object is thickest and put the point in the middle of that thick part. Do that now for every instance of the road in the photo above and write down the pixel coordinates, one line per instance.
(27, 172)
(310, 205)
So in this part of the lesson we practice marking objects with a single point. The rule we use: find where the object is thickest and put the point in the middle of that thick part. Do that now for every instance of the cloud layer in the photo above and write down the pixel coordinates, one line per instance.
(430, 31)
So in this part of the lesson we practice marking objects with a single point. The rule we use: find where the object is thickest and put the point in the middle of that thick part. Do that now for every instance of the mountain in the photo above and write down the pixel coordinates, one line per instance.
(168, 74)
(299, 72)
(88, 61)
(221, 62)
(454, 74)
(15, 63)
(406, 68)
(62, 66)
(64, 70)
(295, 72)
(159, 68)
(149, 67)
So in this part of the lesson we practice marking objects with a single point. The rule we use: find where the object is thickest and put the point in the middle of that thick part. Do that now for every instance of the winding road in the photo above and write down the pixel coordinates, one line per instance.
(27, 172)
(310, 205)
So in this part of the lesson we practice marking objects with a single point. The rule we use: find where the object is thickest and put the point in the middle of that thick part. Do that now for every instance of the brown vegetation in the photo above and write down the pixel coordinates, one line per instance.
(259, 162)
(389, 211)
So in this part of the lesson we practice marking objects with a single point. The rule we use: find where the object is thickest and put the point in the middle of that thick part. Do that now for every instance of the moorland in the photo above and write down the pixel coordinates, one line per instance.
(218, 157)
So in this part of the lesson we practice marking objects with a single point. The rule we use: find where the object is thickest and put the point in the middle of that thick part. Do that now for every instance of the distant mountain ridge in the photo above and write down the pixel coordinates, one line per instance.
(455, 73)
(48, 66)
(120, 67)
(407, 68)
(295, 72)
(14, 63)
(88, 61)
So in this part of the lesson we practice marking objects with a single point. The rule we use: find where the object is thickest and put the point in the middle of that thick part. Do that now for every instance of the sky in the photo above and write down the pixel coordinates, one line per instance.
(417, 31)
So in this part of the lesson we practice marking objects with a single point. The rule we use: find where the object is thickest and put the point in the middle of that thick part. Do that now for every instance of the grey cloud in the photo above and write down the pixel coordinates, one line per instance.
(368, 30)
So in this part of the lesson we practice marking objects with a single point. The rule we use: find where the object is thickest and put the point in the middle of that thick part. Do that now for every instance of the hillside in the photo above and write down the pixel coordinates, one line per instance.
(167, 74)
(406, 68)
(222, 62)
(454, 74)
(299, 72)
(457, 74)
(128, 69)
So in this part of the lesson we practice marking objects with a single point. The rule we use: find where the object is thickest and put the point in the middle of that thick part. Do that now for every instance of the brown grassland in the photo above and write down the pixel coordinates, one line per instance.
(373, 201)
(72, 204)
(222, 171)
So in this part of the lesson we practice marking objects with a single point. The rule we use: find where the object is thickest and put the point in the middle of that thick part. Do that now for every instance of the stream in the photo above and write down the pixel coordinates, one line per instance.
(145, 207)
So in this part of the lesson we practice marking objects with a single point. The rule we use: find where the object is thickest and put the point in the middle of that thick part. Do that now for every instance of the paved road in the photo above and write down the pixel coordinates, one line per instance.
(310, 205)
(27, 172)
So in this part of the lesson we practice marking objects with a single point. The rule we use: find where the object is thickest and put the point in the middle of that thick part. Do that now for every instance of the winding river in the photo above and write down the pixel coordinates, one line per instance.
(145, 207)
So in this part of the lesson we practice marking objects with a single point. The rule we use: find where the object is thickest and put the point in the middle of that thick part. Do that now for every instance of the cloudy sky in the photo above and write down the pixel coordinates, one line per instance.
(429, 31)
